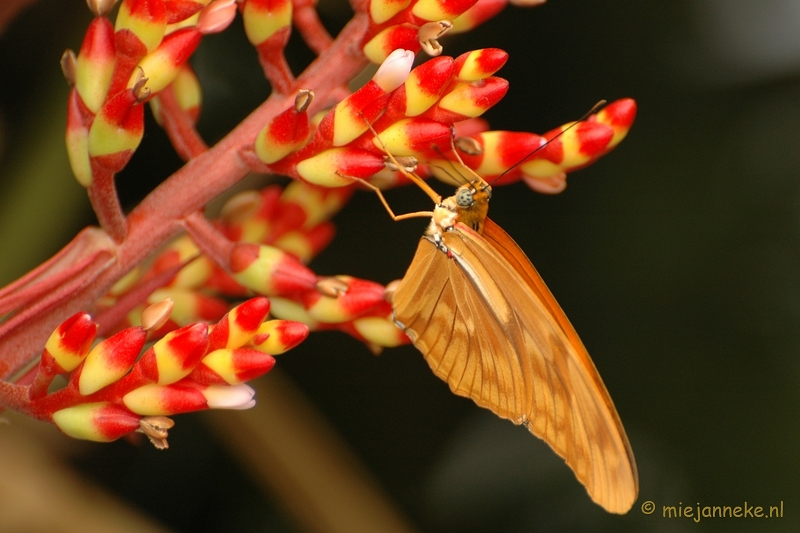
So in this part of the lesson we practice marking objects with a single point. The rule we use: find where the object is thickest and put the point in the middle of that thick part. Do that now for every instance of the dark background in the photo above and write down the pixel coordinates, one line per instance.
(677, 258)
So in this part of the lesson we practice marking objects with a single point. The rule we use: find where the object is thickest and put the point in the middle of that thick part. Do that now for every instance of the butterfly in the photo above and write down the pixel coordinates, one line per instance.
(486, 323)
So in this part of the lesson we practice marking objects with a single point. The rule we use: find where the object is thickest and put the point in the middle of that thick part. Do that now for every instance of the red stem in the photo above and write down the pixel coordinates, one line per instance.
(15, 397)
(46, 277)
(214, 244)
(41, 382)
(179, 127)
(105, 202)
(278, 73)
(306, 20)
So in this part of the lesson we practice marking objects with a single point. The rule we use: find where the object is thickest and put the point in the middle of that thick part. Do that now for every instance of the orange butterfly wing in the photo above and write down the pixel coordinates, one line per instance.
(513, 351)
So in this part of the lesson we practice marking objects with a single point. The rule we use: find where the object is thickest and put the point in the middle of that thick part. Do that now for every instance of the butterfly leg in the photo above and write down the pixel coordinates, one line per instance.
(419, 182)
(416, 214)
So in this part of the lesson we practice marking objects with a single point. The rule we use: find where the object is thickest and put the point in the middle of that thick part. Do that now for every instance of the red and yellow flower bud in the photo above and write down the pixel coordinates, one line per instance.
(316, 204)
(351, 117)
(161, 400)
(306, 244)
(99, 422)
(264, 19)
(500, 150)
(424, 86)
(382, 10)
(479, 13)
(173, 357)
(335, 167)
(380, 331)
(619, 115)
(248, 215)
(179, 10)
(480, 64)
(400, 36)
(268, 25)
(469, 100)
(275, 337)
(95, 64)
(77, 139)
(188, 94)
(284, 134)
(360, 297)
(146, 19)
(162, 65)
(110, 360)
(197, 269)
(69, 344)
(573, 149)
(232, 366)
(269, 271)
(117, 131)
(290, 310)
(433, 10)
(130, 50)
(303, 207)
(413, 136)
(189, 306)
(236, 328)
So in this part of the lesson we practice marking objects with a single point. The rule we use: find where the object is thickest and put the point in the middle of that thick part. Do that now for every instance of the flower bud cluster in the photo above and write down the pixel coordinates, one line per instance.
(412, 114)
(541, 161)
(401, 121)
(121, 66)
(354, 306)
(112, 391)
(273, 231)
(412, 111)
(418, 24)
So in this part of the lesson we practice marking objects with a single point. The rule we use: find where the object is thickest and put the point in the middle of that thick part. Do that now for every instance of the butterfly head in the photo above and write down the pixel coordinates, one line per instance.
(472, 204)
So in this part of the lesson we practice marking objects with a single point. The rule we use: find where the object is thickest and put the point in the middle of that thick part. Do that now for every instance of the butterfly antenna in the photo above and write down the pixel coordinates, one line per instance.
(464, 167)
(595, 108)
(419, 182)
(456, 176)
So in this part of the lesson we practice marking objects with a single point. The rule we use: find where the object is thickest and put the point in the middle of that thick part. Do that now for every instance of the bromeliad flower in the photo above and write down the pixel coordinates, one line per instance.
(312, 129)
(112, 390)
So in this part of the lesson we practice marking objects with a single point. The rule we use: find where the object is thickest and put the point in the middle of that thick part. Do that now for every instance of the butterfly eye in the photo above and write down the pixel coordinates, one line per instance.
(464, 198)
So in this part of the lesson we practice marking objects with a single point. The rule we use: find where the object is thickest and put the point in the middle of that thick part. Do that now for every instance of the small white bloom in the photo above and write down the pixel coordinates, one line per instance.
(230, 396)
(394, 70)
